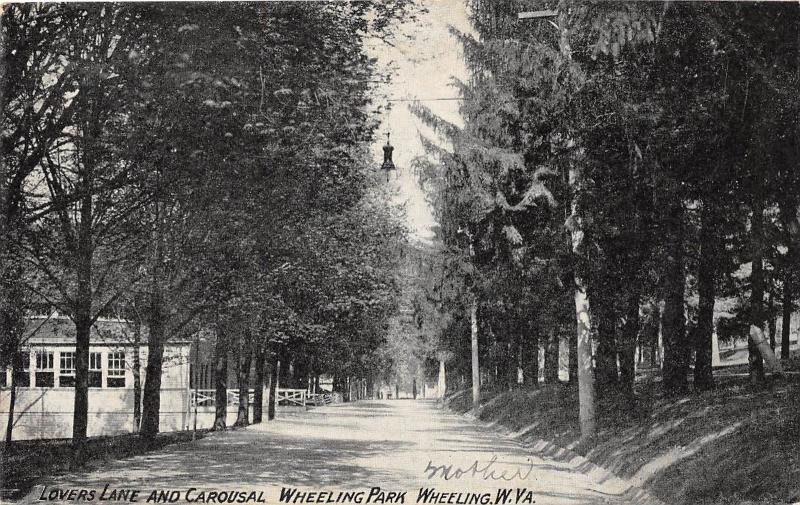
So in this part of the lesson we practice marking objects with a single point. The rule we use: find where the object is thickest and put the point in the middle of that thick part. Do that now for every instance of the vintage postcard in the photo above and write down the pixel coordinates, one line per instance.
(462, 252)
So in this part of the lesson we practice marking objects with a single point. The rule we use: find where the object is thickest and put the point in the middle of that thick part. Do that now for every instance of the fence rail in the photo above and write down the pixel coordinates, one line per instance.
(286, 397)
(317, 399)
(294, 397)
(208, 397)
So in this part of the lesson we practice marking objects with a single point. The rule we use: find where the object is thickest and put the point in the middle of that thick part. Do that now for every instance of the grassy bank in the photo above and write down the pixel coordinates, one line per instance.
(26, 462)
(728, 446)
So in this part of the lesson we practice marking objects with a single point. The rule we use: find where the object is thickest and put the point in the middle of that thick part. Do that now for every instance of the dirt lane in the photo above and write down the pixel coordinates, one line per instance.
(401, 446)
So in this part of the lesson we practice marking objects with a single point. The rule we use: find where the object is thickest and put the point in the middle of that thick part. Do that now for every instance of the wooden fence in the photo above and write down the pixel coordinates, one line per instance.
(285, 397)
(291, 397)
(208, 397)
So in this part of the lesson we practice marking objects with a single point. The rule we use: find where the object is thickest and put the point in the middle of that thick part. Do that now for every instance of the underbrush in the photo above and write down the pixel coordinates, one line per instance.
(731, 445)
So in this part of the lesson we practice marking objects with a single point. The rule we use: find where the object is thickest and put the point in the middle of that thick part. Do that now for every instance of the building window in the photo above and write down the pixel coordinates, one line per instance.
(45, 372)
(116, 370)
(66, 376)
(95, 370)
(22, 378)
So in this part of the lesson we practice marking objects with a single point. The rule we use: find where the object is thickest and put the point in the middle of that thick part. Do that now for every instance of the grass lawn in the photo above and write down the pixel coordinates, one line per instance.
(26, 462)
(732, 445)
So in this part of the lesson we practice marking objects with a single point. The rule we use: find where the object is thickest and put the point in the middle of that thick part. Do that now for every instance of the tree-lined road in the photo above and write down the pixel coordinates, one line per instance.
(350, 447)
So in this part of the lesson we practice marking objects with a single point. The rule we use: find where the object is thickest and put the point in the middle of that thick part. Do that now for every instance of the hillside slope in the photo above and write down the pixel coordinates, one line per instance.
(728, 446)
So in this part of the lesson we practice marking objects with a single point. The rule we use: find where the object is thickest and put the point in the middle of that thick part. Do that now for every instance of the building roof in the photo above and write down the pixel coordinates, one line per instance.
(57, 329)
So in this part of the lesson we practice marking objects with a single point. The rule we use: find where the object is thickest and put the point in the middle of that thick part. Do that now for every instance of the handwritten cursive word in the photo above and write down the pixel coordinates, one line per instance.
(486, 472)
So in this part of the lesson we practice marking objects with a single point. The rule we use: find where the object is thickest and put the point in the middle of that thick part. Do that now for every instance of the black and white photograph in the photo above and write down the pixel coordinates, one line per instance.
(460, 252)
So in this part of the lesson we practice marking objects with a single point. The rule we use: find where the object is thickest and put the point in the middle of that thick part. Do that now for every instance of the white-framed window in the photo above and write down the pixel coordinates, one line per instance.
(66, 375)
(45, 371)
(23, 377)
(116, 370)
(95, 370)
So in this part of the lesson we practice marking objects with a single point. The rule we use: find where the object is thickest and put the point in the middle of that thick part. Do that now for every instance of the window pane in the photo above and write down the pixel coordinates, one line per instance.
(116, 382)
(45, 379)
(94, 360)
(95, 379)
(66, 379)
(23, 360)
(116, 364)
(44, 360)
(23, 379)
(67, 362)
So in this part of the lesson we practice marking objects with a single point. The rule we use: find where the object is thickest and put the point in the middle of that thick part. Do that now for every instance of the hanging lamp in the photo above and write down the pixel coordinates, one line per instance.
(388, 164)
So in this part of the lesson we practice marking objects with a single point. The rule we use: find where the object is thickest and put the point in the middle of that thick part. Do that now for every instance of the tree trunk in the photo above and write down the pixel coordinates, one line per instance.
(575, 226)
(513, 363)
(12, 400)
(786, 324)
(606, 373)
(788, 209)
(14, 324)
(655, 337)
(551, 358)
(756, 363)
(221, 381)
(676, 350)
(83, 326)
(573, 354)
(486, 363)
(151, 405)
(476, 375)
(273, 390)
(80, 424)
(572, 342)
(13, 304)
(84, 253)
(627, 345)
(258, 394)
(284, 375)
(298, 374)
(585, 370)
(706, 272)
(137, 376)
(243, 416)
(530, 360)
(442, 383)
(772, 319)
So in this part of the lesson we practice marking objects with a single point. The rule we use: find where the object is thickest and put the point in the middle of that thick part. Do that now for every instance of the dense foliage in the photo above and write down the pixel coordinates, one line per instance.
(644, 152)
(198, 167)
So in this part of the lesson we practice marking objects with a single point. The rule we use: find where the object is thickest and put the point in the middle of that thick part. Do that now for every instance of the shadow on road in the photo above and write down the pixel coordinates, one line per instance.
(247, 458)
